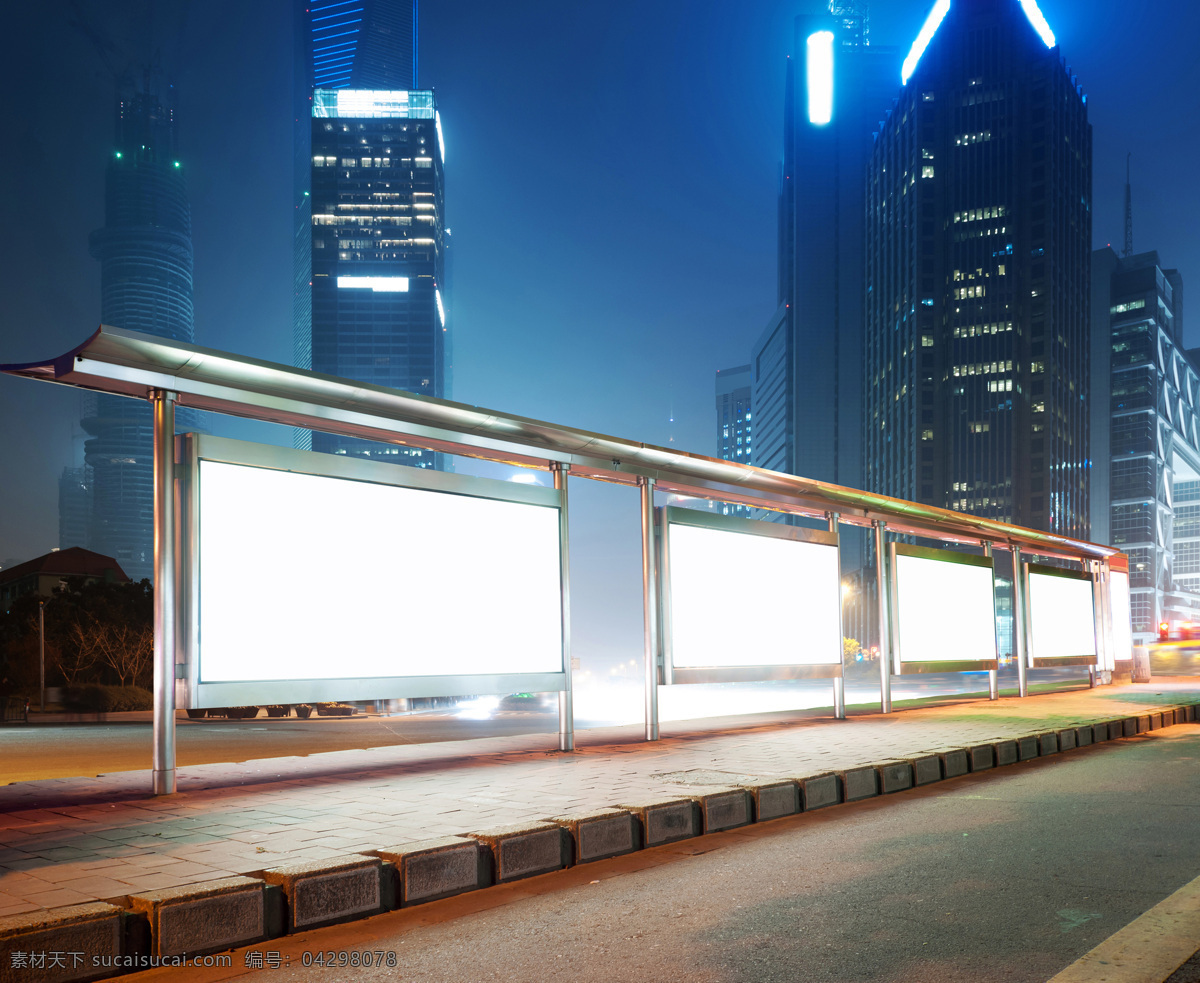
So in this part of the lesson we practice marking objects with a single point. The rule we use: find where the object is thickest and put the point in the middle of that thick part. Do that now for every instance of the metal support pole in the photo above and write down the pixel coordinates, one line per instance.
(163, 775)
(885, 654)
(839, 681)
(993, 675)
(566, 703)
(42, 655)
(1020, 635)
(649, 607)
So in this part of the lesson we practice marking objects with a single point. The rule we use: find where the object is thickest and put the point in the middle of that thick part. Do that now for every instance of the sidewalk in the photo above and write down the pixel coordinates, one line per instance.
(67, 842)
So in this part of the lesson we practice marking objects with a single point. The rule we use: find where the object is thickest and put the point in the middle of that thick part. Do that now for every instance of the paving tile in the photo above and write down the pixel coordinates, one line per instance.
(240, 818)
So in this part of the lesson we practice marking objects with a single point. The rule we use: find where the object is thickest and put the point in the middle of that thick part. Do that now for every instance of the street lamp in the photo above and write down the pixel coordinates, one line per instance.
(42, 656)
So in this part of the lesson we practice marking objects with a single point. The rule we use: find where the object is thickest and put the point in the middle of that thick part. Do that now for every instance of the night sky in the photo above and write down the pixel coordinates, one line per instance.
(611, 189)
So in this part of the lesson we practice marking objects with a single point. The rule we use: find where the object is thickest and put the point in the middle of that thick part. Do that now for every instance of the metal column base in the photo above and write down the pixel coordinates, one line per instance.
(993, 685)
(163, 782)
(566, 721)
(839, 697)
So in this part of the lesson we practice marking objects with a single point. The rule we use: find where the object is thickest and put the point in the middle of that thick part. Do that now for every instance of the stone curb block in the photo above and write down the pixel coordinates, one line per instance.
(95, 930)
(1006, 752)
(723, 808)
(324, 892)
(1083, 736)
(859, 783)
(926, 769)
(1129, 727)
(1066, 739)
(525, 850)
(1099, 733)
(1048, 743)
(819, 791)
(1177, 716)
(1142, 723)
(1115, 729)
(981, 757)
(1027, 747)
(428, 870)
(1190, 712)
(774, 799)
(601, 834)
(894, 776)
(1156, 721)
(665, 821)
(956, 762)
(205, 917)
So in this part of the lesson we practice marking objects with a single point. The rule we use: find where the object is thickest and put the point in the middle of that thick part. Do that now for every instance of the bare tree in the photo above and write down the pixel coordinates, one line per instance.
(127, 650)
(82, 653)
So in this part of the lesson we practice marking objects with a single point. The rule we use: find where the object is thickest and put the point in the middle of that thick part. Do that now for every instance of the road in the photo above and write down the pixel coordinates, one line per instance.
(89, 747)
(1009, 875)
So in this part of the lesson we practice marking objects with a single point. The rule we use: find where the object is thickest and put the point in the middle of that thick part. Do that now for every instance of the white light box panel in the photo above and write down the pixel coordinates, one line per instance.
(740, 599)
(945, 611)
(1062, 619)
(1122, 619)
(312, 577)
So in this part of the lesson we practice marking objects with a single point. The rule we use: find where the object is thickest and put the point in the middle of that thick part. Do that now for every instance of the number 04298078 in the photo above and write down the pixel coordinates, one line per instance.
(329, 957)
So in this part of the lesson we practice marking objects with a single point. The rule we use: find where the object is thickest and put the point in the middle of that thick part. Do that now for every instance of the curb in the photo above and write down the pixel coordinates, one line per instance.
(231, 912)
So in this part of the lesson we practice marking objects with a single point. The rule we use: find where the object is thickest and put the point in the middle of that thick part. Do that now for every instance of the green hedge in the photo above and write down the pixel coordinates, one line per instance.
(94, 698)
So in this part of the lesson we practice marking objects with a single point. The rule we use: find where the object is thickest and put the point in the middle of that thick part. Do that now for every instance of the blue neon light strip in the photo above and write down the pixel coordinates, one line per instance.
(340, 13)
(938, 13)
(330, 27)
(1038, 21)
(928, 30)
(820, 77)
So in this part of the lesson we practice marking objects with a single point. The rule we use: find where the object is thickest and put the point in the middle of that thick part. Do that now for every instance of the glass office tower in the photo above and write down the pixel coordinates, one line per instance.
(977, 274)
(370, 236)
(378, 249)
(145, 254)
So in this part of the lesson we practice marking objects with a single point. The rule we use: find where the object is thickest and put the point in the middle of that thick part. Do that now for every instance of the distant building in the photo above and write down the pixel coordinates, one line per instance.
(370, 292)
(145, 254)
(734, 414)
(1146, 436)
(74, 508)
(807, 363)
(978, 239)
(735, 424)
(45, 574)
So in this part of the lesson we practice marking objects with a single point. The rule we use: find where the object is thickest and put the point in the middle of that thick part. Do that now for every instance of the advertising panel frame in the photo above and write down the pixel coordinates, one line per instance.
(899, 666)
(664, 517)
(1033, 661)
(1118, 565)
(192, 692)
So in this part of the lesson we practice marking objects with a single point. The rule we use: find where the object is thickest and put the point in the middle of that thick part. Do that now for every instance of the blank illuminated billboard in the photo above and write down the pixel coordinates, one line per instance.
(944, 607)
(1062, 618)
(741, 599)
(306, 576)
(1122, 622)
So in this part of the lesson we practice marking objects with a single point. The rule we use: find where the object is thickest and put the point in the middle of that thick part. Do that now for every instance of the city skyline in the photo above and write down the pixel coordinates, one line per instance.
(590, 288)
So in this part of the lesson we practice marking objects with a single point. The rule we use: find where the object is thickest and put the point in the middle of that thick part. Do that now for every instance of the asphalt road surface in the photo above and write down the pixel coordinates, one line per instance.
(87, 747)
(1008, 875)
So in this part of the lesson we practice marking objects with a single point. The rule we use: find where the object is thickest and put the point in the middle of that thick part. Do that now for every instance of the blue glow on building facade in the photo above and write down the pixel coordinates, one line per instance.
(938, 14)
(820, 77)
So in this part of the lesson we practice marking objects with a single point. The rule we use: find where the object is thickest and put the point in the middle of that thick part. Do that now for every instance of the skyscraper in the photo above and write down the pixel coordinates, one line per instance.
(145, 254)
(807, 363)
(734, 415)
(1146, 436)
(977, 283)
(370, 212)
